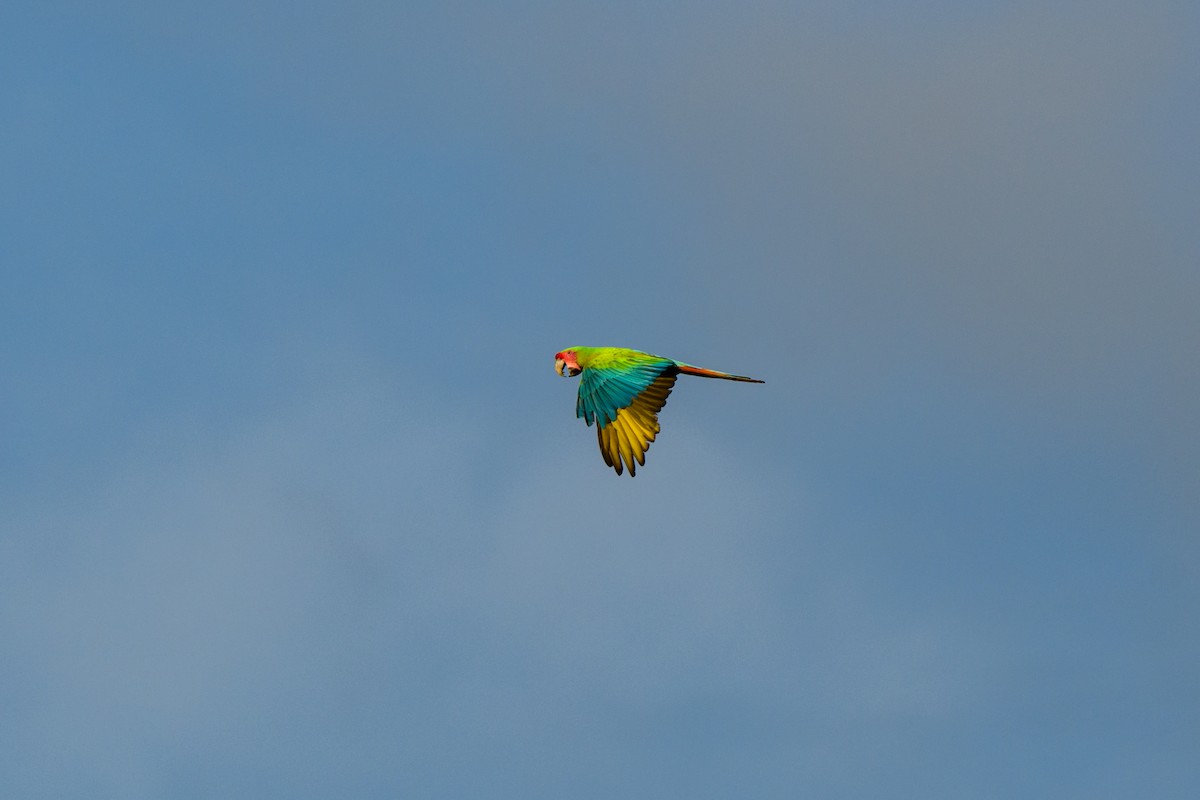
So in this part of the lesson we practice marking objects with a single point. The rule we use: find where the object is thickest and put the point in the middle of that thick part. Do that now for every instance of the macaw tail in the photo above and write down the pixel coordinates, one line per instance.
(700, 372)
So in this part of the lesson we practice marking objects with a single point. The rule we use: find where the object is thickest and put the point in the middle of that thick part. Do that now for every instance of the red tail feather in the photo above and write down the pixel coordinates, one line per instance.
(700, 372)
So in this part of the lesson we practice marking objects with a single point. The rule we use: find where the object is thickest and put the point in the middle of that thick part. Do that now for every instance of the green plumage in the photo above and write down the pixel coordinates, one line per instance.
(622, 391)
(612, 378)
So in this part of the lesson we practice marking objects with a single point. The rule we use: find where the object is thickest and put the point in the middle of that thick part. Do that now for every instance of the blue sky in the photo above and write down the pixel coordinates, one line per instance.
(294, 506)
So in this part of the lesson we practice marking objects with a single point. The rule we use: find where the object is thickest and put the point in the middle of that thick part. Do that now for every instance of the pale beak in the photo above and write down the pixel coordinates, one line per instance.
(560, 367)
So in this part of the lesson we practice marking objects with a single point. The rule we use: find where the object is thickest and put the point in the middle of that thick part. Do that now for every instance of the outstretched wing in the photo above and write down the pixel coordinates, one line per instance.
(629, 435)
(624, 400)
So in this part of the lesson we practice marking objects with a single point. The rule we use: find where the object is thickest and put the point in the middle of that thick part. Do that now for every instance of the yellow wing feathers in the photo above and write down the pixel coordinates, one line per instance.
(627, 437)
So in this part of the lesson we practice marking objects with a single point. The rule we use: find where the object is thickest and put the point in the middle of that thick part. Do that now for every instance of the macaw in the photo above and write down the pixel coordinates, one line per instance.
(622, 391)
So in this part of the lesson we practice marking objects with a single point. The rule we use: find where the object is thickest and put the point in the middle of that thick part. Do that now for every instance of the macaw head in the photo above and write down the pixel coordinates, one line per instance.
(566, 365)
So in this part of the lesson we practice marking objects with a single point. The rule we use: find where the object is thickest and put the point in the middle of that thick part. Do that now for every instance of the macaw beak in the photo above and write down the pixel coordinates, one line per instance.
(562, 368)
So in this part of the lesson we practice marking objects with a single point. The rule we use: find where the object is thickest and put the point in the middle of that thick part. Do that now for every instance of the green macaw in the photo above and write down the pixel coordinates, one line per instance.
(622, 391)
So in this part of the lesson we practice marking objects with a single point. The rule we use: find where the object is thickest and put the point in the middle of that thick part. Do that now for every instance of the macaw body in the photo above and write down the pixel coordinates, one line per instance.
(622, 391)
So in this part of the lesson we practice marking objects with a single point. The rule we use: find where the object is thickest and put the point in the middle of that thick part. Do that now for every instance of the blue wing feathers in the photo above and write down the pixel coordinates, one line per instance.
(605, 391)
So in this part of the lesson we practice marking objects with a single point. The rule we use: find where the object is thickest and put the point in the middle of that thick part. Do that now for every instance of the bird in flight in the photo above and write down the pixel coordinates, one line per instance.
(622, 391)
